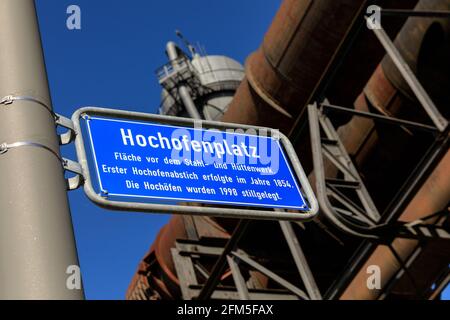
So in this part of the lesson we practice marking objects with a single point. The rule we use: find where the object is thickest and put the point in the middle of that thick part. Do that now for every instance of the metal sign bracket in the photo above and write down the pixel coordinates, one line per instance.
(68, 136)
(76, 181)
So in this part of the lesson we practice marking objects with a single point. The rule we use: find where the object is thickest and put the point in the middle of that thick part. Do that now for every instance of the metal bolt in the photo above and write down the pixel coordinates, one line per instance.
(3, 148)
(7, 100)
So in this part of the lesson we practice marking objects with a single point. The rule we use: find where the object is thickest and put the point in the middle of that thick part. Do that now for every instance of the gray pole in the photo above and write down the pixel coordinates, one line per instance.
(172, 53)
(36, 236)
(188, 102)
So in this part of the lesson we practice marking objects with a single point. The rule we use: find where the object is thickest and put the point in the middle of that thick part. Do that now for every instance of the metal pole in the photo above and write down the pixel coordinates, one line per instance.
(300, 261)
(188, 102)
(239, 280)
(172, 53)
(36, 236)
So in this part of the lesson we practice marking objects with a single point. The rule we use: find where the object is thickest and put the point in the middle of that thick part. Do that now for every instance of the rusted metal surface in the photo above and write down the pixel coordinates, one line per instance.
(360, 134)
(427, 54)
(281, 77)
(156, 270)
(432, 197)
(156, 276)
(283, 72)
(393, 97)
(433, 257)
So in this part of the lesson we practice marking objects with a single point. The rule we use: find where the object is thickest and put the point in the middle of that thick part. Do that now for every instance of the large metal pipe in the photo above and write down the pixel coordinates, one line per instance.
(36, 236)
(253, 104)
(188, 102)
(183, 91)
(432, 197)
(297, 50)
(281, 76)
(425, 46)
(156, 276)
(361, 135)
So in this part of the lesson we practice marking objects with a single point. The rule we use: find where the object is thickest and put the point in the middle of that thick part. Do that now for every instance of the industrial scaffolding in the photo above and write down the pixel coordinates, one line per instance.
(218, 268)
(362, 220)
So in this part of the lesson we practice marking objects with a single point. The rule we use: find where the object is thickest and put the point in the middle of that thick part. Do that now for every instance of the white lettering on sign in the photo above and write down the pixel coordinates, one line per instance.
(185, 143)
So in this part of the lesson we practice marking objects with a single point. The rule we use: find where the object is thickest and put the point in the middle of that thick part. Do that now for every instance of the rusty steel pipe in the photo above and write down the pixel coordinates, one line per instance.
(297, 49)
(280, 77)
(432, 197)
(266, 89)
(156, 276)
(388, 93)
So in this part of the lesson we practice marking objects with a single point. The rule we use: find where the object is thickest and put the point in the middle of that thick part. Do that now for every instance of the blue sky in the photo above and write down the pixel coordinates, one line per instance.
(110, 62)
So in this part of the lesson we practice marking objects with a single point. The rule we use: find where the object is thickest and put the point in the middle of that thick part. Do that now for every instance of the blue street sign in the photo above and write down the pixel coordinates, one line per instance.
(174, 164)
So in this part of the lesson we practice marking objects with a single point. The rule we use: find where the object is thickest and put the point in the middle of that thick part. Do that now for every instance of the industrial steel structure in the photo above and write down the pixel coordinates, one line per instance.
(368, 117)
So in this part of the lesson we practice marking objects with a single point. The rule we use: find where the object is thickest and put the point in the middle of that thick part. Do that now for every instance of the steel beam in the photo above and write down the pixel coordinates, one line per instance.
(409, 76)
(220, 265)
(300, 261)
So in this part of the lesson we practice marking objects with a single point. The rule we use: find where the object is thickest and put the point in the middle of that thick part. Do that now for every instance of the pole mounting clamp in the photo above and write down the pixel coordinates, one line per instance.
(9, 99)
(77, 180)
(71, 166)
(64, 138)
(68, 136)
(4, 147)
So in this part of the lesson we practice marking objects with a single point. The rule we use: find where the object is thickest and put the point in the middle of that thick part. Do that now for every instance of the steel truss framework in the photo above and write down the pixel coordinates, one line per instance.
(171, 77)
(359, 218)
